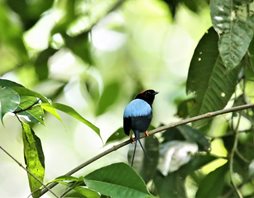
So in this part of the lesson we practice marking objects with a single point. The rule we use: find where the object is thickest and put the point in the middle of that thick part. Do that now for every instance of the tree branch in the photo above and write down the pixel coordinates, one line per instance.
(152, 132)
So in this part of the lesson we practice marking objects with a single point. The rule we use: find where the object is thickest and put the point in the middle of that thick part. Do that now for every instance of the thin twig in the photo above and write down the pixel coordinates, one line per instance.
(231, 158)
(31, 174)
(152, 132)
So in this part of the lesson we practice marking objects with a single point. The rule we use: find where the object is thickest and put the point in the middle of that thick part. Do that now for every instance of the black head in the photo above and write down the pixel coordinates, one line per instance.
(147, 96)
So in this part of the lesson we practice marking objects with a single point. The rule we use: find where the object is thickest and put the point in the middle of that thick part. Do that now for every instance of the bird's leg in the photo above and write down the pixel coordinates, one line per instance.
(146, 133)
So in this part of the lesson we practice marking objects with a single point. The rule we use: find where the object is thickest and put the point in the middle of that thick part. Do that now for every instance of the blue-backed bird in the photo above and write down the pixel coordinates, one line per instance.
(137, 116)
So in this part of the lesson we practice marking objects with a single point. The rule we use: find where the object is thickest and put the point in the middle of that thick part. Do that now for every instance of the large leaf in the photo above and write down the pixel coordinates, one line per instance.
(117, 181)
(208, 78)
(9, 100)
(21, 90)
(72, 112)
(212, 184)
(231, 20)
(34, 159)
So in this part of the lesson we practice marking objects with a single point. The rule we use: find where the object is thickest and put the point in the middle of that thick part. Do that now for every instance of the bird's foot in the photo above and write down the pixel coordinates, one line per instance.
(146, 133)
(132, 139)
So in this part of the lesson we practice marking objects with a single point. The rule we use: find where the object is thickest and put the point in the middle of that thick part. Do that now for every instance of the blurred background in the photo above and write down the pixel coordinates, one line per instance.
(94, 56)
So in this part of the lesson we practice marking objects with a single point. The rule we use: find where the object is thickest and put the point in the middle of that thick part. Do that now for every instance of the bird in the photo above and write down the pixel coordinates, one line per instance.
(137, 117)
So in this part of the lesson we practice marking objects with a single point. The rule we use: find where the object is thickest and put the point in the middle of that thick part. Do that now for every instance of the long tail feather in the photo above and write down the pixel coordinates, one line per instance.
(137, 139)
(133, 155)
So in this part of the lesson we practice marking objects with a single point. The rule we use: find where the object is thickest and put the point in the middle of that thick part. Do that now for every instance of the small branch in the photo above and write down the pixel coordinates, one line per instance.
(152, 132)
(231, 159)
(45, 187)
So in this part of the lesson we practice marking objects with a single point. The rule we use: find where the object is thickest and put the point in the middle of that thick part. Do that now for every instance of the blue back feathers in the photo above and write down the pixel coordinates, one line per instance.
(137, 107)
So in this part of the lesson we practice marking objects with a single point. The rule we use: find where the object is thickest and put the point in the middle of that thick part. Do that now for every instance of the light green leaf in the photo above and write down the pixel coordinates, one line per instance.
(235, 27)
(83, 192)
(117, 181)
(49, 108)
(212, 184)
(212, 84)
(72, 112)
(34, 158)
(109, 96)
(9, 100)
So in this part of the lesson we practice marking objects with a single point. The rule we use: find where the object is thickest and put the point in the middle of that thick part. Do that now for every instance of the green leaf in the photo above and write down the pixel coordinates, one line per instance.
(116, 136)
(231, 21)
(197, 162)
(41, 63)
(83, 192)
(210, 81)
(212, 184)
(34, 158)
(51, 109)
(9, 100)
(117, 181)
(70, 111)
(108, 98)
(21, 90)
(194, 135)
(170, 186)
(33, 115)
(80, 46)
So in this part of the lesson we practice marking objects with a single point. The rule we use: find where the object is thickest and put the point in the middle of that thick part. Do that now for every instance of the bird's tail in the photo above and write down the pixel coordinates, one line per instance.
(137, 139)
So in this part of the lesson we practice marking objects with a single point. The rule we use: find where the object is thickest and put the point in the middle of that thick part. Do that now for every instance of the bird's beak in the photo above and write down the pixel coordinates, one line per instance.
(156, 92)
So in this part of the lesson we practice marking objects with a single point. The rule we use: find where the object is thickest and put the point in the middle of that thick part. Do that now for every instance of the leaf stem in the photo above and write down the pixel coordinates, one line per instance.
(152, 132)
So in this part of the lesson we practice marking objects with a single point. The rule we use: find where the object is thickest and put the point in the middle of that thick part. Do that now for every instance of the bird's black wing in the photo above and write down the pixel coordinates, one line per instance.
(127, 125)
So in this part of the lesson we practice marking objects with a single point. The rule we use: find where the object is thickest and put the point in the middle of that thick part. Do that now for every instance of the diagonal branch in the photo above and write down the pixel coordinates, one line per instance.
(152, 132)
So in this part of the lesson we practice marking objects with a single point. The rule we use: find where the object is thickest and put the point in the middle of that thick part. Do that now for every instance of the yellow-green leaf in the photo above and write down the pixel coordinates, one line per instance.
(34, 159)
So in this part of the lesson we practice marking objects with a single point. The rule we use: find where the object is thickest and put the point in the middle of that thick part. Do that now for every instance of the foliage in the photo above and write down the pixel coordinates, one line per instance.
(183, 161)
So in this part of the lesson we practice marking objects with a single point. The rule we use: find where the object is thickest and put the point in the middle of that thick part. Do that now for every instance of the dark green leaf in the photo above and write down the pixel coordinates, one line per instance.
(9, 100)
(194, 135)
(109, 96)
(150, 162)
(116, 136)
(72, 112)
(80, 46)
(29, 12)
(170, 186)
(34, 158)
(212, 184)
(117, 181)
(41, 63)
(210, 81)
(184, 107)
(21, 90)
(236, 31)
